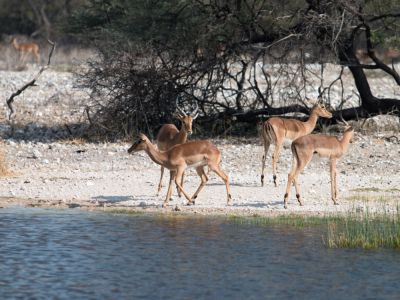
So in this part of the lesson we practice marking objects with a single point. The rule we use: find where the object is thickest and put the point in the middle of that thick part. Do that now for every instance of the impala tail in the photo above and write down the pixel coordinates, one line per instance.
(269, 133)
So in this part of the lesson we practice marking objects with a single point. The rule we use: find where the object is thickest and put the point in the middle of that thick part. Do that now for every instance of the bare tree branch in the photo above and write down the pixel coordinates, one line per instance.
(30, 83)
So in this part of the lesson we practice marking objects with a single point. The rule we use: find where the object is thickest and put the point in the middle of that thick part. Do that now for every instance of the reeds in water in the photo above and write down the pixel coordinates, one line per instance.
(355, 229)
(366, 230)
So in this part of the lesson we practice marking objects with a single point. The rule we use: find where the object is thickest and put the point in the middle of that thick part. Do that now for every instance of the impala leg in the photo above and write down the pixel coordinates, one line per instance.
(297, 187)
(304, 160)
(333, 181)
(178, 180)
(179, 191)
(172, 175)
(160, 183)
(204, 179)
(290, 181)
(37, 57)
(264, 157)
(275, 157)
(288, 186)
(298, 165)
(22, 57)
(220, 173)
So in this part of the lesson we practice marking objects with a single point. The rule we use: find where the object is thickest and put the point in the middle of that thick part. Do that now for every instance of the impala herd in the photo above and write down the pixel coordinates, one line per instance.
(176, 154)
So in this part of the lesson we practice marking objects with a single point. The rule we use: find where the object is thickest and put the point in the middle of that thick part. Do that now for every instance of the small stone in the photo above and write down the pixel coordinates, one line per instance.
(36, 154)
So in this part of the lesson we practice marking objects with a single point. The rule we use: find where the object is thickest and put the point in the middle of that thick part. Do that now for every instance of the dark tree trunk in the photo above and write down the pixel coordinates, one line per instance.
(371, 104)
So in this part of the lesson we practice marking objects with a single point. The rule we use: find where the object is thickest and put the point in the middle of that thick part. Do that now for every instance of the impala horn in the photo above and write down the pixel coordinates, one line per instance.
(180, 110)
(195, 112)
(343, 120)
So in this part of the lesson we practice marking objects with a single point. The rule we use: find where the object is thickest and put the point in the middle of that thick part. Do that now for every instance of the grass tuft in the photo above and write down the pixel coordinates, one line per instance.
(367, 231)
(353, 230)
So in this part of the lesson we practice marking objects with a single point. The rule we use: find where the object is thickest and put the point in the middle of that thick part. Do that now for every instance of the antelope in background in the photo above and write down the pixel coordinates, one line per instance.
(25, 48)
(169, 136)
(303, 149)
(275, 130)
(195, 154)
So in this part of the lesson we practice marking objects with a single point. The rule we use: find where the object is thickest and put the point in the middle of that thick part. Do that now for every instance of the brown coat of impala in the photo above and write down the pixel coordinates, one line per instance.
(275, 130)
(26, 48)
(197, 154)
(303, 150)
(169, 136)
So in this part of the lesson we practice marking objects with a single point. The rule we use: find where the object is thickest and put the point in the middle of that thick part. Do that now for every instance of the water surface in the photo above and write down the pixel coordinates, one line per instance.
(72, 254)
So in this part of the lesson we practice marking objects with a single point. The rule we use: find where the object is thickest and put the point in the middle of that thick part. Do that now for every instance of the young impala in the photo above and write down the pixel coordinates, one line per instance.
(276, 130)
(195, 154)
(26, 48)
(303, 149)
(169, 136)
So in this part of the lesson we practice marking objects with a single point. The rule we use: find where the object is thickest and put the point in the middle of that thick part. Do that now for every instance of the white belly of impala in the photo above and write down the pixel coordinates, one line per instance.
(197, 164)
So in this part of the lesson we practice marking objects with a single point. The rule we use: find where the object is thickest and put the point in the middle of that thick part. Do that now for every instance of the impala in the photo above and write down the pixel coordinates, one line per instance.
(303, 149)
(26, 48)
(197, 154)
(169, 136)
(276, 130)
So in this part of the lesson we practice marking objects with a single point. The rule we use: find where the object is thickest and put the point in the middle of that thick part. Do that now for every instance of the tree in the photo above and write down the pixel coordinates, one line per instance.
(238, 59)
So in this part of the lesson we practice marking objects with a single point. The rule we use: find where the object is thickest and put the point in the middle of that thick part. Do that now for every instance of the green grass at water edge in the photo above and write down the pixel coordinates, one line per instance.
(296, 221)
(367, 231)
(354, 230)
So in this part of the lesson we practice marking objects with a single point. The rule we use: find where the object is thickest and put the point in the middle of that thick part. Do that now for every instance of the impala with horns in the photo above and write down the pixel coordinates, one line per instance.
(197, 154)
(169, 136)
(303, 149)
(26, 48)
(275, 130)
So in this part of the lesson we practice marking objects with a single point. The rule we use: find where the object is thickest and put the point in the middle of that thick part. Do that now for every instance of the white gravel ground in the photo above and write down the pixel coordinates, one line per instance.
(65, 174)
(93, 175)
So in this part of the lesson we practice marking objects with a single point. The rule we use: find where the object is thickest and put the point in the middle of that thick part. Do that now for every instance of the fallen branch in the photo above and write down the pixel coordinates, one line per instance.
(30, 83)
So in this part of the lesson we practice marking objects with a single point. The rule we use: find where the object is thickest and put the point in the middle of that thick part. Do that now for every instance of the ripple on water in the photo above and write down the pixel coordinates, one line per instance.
(66, 253)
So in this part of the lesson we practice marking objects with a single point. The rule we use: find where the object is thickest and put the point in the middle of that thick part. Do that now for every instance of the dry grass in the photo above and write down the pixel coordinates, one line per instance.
(375, 189)
(4, 171)
(74, 141)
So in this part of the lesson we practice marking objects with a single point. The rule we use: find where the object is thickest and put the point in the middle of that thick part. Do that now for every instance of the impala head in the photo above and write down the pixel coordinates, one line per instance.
(139, 144)
(348, 130)
(186, 119)
(321, 110)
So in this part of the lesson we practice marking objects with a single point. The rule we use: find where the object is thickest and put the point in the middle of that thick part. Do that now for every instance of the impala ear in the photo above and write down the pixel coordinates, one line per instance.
(177, 115)
(310, 102)
(139, 136)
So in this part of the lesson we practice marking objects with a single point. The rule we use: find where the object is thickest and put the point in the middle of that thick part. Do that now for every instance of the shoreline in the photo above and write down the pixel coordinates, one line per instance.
(192, 211)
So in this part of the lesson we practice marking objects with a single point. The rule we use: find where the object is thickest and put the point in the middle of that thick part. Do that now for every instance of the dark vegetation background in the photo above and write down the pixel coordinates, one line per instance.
(226, 55)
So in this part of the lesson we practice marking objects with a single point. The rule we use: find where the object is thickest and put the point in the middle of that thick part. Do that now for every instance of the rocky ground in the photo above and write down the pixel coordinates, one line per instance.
(60, 172)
